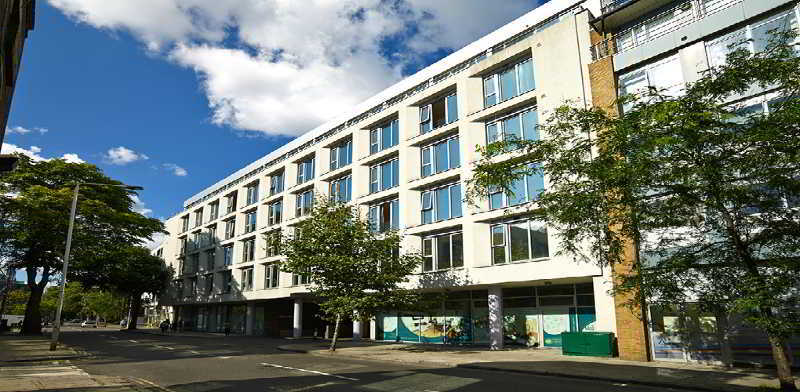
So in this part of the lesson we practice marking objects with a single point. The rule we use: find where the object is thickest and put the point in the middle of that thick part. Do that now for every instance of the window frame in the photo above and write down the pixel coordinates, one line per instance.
(248, 250)
(426, 113)
(433, 203)
(374, 215)
(506, 245)
(505, 197)
(227, 255)
(376, 136)
(335, 155)
(431, 153)
(275, 213)
(276, 182)
(301, 209)
(247, 278)
(494, 81)
(272, 246)
(335, 188)
(499, 124)
(213, 213)
(376, 175)
(304, 167)
(271, 276)
(230, 202)
(434, 241)
(250, 221)
(230, 228)
(251, 191)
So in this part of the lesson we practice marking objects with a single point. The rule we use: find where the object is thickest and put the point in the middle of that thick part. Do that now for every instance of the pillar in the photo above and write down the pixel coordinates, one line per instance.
(250, 319)
(373, 329)
(297, 322)
(496, 318)
(356, 330)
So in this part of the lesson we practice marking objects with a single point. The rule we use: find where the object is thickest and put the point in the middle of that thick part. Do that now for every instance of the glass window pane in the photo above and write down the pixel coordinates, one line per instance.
(666, 74)
(763, 33)
(442, 204)
(373, 179)
(492, 135)
(373, 217)
(508, 84)
(386, 175)
(395, 132)
(490, 96)
(498, 235)
(458, 250)
(440, 154)
(535, 184)
(427, 167)
(455, 200)
(519, 241)
(540, 245)
(517, 195)
(526, 82)
(395, 172)
(452, 108)
(443, 252)
(386, 137)
(498, 255)
(427, 254)
(373, 141)
(530, 125)
(496, 200)
(395, 214)
(455, 153)
(512, 129)
(438, 111)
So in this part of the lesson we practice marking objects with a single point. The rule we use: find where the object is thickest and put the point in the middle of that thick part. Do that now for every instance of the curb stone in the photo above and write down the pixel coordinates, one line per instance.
(477, 366)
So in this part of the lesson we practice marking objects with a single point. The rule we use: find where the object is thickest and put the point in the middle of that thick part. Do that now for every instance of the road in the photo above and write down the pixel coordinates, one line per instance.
(207, 364)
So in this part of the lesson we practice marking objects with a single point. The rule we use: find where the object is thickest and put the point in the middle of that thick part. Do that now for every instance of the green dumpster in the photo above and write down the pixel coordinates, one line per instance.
(593, 344)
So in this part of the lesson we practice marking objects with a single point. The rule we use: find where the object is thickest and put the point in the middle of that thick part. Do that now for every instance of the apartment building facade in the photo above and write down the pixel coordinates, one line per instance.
(403, 157)
(667, 44)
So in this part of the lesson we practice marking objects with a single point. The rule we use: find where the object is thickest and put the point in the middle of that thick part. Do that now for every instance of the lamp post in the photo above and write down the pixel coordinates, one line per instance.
(57, 321)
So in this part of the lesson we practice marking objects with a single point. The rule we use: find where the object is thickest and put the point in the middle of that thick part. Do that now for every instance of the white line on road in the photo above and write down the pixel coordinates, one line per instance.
(309, 371)
(133, 341)
(194, 352)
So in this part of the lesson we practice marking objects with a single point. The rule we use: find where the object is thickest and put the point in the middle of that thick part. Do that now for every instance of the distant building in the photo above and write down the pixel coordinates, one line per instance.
(16, 19)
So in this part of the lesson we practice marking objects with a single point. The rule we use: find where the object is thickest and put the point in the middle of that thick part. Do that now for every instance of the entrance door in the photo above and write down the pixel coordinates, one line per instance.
(554, 322)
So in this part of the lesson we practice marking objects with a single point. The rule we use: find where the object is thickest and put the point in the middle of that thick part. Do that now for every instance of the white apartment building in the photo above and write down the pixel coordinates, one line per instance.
(404, 155)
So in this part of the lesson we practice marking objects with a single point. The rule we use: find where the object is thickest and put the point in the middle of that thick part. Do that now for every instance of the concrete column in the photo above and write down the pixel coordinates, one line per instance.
(356, 330)
(250, 319)
(373, 329)
(297, 322)
(496, 318)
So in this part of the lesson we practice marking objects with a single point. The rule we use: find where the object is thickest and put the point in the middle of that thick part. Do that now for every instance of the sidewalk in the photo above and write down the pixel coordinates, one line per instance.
(27, 364)
(552, 363)
(157, 331)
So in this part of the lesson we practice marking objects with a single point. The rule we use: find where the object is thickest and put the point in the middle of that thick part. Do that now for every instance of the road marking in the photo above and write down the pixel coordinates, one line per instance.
(152, 384)
(309, 371)
(194, 352)
(113, 337)
(310, 387)
(132, 341)
(223, 357)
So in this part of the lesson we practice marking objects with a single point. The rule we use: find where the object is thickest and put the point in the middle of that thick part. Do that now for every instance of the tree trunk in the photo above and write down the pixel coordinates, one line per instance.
(32, 325)
(133, 312)
(781, 359)
(335, 332)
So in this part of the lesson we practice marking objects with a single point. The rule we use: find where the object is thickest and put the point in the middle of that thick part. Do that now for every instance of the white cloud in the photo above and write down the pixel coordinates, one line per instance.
(139, 206)
(123, 156)
(155, 241)
(33, 152)
(175, 169)
(24, 131)
(283, 66)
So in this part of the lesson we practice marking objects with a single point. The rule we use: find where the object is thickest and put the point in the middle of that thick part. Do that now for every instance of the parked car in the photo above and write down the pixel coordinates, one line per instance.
(71, 323)
(89, 324)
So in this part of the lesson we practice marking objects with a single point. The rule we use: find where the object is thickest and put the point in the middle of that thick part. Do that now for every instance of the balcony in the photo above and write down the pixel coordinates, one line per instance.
(653, 26)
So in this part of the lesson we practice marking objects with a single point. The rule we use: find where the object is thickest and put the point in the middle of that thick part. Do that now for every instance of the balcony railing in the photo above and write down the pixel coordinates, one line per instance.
(607, 6)
(682, 14)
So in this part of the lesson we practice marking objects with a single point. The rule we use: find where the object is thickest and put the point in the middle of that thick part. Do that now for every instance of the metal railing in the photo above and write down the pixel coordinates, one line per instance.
(658, 25)
(607, 6)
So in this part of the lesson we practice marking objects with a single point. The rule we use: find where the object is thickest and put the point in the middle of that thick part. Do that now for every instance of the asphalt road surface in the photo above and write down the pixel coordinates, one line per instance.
(211, 364)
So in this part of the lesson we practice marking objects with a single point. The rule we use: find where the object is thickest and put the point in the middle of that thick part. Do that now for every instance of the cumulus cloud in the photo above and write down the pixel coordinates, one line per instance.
(33, 152)
(24, 131)
(283, 66)
(139, 206)
(175, 169)
(123, 156)
(155, 241)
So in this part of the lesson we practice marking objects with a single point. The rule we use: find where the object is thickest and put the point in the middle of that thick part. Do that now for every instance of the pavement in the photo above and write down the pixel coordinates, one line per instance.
(550, 362)
(27, 364)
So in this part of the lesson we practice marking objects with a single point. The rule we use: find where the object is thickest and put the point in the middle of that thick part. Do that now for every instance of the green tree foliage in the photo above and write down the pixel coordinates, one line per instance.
(104, 304)
(708, 194)
(35, 205)
(353, 270)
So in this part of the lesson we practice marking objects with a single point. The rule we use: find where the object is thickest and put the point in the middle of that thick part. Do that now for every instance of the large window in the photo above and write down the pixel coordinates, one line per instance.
(193, 265)
(274, 212)
(252, 193)
(247, 279)
(384, 175)
(385, 216)
(508, 83)
(519, 126)
(385, 136)
(438, 113)
(273, 243)
(230, 202)
(198, 217)
(227, 255)
(250, 221)
(208, 280)
(211, 234)
(211, 256)
(305, 170)
(440, 156)
(441, 203)
(248, 250)
(276, 183)
(226, 280)
(519, 241)
(184, 223)
(442, 252)
(298, 279)
(665, 75)
(523, 190)
(341, 189)
(271, 275)
(342, 155)
(214, 213)
(753, 37)
(304, 203)
(230, 228)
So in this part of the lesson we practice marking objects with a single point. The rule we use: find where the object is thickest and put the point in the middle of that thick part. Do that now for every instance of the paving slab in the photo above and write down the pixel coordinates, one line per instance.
(689, 376)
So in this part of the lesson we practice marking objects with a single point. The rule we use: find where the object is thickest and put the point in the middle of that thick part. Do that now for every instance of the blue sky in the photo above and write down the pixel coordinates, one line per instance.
(174, 95)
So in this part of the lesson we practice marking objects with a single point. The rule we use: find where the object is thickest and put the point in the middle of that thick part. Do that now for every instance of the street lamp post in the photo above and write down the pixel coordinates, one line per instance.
(64, 269)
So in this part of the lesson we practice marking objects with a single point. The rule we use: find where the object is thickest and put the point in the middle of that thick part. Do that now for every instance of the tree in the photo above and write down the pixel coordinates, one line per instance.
(706, 192)
(73, 301)
(354, 271)
(134, 273)
(104, 304)
(35, 205)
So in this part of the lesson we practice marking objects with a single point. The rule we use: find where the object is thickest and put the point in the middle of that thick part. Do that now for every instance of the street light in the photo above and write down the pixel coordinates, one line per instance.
(57, 321)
